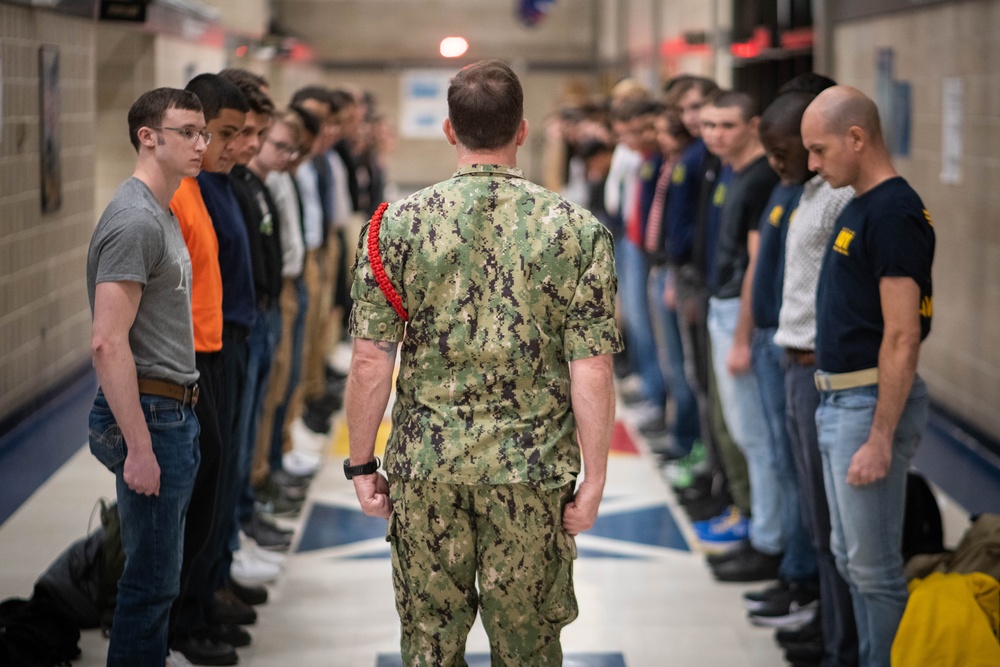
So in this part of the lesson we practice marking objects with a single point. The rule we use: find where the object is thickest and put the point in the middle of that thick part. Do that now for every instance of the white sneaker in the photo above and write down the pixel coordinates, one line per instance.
(305, 440)
(631, 383)
(177, 659)
(249, 569)
(644, 412)
(301, 462)
(247, 544)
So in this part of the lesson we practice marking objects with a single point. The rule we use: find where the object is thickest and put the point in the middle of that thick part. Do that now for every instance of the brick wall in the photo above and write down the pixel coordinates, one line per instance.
(961, 358)
(44, 316)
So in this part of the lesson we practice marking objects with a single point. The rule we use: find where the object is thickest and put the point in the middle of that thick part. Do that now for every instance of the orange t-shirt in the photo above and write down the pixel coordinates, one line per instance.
(206, 278)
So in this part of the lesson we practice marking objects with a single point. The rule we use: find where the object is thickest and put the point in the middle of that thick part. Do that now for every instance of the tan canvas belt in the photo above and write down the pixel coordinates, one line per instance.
(839, 381)
(178, 392)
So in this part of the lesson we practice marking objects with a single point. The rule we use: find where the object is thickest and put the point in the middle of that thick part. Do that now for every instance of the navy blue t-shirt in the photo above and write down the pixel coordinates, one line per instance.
(745, 200)
(239, 300)
(765, 299)
(681, 209)
(885, 232)
(713, 219)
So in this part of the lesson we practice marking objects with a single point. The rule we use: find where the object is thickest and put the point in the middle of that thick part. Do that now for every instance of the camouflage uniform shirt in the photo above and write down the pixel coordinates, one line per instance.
(504, 283)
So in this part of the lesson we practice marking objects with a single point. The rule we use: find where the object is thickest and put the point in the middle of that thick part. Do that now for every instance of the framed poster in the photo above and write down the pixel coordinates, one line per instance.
(48, 61)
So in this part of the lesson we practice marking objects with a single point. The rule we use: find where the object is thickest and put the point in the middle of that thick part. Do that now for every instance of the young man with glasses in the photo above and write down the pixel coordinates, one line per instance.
(142, 425)
(271, 165)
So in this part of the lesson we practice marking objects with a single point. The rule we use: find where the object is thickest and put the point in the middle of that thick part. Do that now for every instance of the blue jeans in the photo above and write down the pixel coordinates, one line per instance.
(744, 414)
(767, 360)
(152, 527)
(633, 274)
(671, 351)
(261, 342)
(294, 375)
(867, 521)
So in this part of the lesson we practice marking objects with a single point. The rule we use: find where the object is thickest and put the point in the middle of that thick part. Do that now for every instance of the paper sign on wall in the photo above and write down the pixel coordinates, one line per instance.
(951, 130)
(424, 103)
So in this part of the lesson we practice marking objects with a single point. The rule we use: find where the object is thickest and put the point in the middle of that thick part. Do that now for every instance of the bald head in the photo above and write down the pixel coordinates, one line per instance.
(842, 133)
(842, 107)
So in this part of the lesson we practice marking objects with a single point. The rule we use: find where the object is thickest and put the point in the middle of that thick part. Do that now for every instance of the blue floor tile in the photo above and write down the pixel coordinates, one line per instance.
(32, 451)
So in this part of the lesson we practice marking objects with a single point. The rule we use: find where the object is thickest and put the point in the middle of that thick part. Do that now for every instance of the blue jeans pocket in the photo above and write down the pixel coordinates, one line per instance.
(163, 412)
(861, 398)
(105, 437)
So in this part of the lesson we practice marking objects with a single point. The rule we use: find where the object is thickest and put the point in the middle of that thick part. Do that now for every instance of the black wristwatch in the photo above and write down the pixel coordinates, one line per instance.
(363, 469)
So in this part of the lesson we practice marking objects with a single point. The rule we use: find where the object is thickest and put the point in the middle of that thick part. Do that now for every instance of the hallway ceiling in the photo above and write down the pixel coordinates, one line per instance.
(380, 33)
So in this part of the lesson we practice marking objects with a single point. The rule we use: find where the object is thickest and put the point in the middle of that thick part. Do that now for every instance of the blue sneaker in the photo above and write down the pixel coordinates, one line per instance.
(730, 526)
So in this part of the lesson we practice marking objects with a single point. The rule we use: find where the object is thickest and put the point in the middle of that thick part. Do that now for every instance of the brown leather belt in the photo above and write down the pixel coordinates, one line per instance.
(178, 392)
(801, 357)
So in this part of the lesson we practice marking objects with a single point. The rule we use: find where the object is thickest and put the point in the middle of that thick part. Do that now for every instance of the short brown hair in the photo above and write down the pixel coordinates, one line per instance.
(251, 85)
(485, 105)
(727, 99)
(148, 109)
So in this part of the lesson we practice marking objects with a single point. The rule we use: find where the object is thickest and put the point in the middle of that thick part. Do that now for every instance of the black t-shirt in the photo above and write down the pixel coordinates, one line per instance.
(261, 217)
(745, 201)
(765, 298)
(885, 232)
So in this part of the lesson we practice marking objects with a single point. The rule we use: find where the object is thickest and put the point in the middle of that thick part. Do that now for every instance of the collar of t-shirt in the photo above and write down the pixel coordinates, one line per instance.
(489, 170)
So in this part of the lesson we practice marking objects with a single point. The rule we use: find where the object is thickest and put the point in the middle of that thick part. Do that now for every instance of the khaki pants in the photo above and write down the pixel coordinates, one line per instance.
(311, 276)
(511, 536)
(318, 321)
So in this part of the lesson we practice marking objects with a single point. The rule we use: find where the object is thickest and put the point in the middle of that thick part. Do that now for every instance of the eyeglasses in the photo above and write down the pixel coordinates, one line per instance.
(189, 133)
(289, 150)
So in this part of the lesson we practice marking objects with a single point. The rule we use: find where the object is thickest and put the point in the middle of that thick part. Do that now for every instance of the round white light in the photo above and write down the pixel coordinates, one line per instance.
(453, 47)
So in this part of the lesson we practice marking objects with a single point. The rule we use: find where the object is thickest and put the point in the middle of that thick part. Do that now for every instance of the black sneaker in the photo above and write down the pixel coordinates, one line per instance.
(807, 633)
(752, 566)
(227, 608)
(205, 651)
(274, 500)
(228, 633)
(791, 605)
(266, 537)
(286, 479)
(708, 508)
(274, 487)
(754, 600)
(655, 427)
(738, 551)
(316, 422)
(252, 595)
(810, 653)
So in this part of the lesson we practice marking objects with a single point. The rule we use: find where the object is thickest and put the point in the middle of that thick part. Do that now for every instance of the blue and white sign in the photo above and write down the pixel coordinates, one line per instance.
(424, 103)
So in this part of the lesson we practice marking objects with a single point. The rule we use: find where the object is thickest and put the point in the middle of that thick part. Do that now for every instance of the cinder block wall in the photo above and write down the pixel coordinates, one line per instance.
(44, 316)
(961, 358)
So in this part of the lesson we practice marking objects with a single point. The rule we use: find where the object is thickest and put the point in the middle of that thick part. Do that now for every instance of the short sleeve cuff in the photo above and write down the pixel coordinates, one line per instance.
(591, 340)
(371, 322)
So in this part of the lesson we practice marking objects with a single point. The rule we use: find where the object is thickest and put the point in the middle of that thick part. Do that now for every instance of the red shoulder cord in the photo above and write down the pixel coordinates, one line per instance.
(375, 256)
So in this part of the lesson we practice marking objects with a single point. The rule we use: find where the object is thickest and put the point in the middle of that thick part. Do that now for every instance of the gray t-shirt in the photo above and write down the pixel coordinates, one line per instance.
(136, 240)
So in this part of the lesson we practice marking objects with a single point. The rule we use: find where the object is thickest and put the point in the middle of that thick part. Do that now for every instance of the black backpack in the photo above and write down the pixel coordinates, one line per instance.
(922, 529)
(36, 633)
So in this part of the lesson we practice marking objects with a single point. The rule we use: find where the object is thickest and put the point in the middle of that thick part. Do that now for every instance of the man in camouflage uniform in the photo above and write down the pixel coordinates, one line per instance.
(509, 292)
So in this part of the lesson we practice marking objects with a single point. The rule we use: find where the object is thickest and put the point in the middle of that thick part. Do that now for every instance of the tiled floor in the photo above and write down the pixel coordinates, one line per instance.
(646, 599)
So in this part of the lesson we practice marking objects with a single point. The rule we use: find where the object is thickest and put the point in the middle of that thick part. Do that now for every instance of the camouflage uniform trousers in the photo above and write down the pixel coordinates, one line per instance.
(443, 535)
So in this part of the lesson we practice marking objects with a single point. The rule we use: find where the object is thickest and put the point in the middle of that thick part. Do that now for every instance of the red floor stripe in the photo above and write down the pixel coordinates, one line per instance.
(621, 441)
